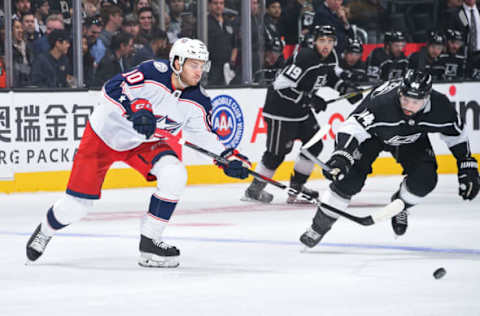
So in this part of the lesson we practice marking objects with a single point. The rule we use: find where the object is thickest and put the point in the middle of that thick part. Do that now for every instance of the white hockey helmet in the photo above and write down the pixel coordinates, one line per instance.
(184, 48)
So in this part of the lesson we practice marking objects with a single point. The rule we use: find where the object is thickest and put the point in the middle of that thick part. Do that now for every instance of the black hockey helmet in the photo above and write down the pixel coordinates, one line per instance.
(394, 36)
(324, 30)
(416, 84)
(354, 45)
(453, 35)
(435, 38)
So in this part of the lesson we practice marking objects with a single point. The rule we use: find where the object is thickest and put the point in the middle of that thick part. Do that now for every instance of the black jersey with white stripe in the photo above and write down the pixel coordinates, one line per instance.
(382, 67)
(380, 116)
(303, 73)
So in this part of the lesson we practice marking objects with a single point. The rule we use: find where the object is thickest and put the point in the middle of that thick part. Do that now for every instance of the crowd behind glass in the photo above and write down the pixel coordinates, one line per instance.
(376, 39)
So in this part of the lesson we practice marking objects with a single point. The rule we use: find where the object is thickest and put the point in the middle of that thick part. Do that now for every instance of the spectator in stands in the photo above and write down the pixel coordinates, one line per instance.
(112, 18)
(93, 29)
(90, 8)
(21, 7)
(467, 20)
(177, 7)
(222, 43)
(188, 26)
(136, 7)
(115, 60)
(50, 69)
(453, 60)
(41, 45)
(354, 69)
(146, 21)
(273, 30)
(131, 27)
(388, 62)
(150, 50)
(21, 57)
(332, 12)
(88, 63)
(427, 58)
(29, 33)
(41, 9)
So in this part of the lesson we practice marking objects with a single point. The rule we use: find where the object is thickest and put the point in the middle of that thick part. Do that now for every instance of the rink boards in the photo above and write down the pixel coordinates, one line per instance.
(39, 133)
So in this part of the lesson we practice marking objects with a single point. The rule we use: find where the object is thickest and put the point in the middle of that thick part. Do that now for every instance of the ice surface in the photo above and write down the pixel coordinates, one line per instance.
(240, 258)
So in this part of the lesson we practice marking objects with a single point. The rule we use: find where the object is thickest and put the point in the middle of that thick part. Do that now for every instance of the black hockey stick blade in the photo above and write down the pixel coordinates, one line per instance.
(392, 209)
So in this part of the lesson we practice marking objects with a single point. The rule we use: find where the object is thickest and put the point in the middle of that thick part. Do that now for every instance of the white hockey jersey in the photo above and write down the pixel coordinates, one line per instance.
(188, 109)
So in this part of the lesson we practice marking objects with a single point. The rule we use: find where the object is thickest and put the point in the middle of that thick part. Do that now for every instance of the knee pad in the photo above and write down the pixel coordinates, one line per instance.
(171, 177)
(70, 209)
(423, 180)
(272, 161)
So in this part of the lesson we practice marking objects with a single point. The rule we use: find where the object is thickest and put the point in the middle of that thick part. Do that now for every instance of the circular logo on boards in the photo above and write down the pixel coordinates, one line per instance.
(227, 120)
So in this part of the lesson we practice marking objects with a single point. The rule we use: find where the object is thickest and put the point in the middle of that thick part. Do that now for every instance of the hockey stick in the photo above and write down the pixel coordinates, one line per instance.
(393, 208)
(348, 95)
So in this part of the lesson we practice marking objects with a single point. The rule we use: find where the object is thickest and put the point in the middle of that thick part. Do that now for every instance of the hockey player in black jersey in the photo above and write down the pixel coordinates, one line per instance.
(427, 59)
(453, 60)
(395, 117)
(288, 112)
(351, 62)
(388, 62)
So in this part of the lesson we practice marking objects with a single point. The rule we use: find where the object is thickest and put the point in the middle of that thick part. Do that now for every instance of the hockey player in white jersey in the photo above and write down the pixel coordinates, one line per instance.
(157, 94)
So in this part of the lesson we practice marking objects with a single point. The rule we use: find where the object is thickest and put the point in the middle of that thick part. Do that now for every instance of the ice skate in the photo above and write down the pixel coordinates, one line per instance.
(157, 254)
(256, 193)
(400, 223)
(37, 243)
(321, 225)
(296, 198)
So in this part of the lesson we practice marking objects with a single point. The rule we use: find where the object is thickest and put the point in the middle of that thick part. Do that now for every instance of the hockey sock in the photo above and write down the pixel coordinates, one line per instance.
(65, 211)
(157, 217)
(334, 200)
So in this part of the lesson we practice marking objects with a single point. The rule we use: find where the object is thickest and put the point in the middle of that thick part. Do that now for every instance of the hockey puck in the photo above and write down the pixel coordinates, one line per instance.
(439, 273)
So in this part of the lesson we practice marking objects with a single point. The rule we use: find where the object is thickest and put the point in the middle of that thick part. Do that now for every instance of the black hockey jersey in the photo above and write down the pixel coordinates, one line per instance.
(380, 116)
(421, 61)
(453, 66)
(382, 67)
(356, 73)
(303, 73)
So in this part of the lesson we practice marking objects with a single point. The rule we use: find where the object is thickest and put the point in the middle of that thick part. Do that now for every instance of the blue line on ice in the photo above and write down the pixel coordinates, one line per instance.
(273, 242)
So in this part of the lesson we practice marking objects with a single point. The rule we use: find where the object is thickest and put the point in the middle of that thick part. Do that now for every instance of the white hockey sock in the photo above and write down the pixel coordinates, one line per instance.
(264, 171)
(334, 200)
(65, 211)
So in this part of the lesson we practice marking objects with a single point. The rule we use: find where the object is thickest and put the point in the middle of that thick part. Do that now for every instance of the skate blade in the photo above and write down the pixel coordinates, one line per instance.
(154, 261)
(247, 199)
(298, 201)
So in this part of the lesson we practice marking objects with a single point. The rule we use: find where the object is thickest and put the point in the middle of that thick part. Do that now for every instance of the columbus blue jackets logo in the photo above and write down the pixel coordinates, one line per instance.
(227, 120)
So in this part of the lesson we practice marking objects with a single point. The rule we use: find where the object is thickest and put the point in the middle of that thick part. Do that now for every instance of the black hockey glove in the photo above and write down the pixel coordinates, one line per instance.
(143, 120)
(317, 103)
(468, 180)
(341, 163)
(237, 165)
(348, 87)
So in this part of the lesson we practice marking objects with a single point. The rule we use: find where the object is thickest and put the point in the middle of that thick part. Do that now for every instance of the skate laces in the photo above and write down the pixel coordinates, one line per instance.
(402, 217)
(162, 244)
(312, 233)
(40, 241)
